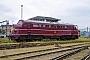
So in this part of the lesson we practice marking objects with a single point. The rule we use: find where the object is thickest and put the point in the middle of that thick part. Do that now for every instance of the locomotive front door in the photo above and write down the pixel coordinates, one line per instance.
(28, 29)
(72, 30)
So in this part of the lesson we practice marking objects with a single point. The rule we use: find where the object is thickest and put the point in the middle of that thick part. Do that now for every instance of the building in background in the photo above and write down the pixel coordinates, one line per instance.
(85, 32)
(6, 27)
(42, 18)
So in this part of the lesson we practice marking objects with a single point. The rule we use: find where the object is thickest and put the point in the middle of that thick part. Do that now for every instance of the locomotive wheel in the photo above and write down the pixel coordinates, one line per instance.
(62, 37)
(18, 40)
(57, 39)
(73, 37)
(28, 40)
(68, 37)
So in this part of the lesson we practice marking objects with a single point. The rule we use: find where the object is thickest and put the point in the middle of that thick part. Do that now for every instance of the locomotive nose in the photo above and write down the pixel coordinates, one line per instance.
(13, 29)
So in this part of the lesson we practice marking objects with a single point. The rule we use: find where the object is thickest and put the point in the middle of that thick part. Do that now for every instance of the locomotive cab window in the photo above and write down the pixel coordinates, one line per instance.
(19, 23)
(75, 27)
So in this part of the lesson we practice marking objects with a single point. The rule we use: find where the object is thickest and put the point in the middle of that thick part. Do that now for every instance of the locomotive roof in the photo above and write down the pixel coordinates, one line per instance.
(44, 22)
(44, 18)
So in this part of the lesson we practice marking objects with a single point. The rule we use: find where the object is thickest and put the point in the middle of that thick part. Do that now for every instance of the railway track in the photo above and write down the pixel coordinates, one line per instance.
(31, 55)
(63, 56)
(87, 57)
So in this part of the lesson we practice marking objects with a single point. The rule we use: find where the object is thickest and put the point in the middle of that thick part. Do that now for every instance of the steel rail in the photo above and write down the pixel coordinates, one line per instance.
(86, 57)
(63, 56)
(40, 50)
(46, 53)
(42, 54)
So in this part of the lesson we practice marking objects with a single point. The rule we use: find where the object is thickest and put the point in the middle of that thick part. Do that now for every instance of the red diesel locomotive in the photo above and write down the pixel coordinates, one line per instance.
(43, 28)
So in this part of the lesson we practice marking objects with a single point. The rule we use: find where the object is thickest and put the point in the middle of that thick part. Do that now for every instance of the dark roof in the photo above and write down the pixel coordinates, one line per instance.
(45, 18)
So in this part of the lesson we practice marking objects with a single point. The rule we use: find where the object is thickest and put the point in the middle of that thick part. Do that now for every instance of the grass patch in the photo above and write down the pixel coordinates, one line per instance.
(6, 40)
(44, 41)
(13, 44)
(61, 41)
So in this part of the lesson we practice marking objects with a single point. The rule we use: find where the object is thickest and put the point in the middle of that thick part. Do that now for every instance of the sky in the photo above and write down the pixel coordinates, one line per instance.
(69, 11)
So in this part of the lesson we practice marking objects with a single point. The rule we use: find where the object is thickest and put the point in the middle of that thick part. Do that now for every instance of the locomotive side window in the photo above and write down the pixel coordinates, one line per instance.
(28, 24)
(65, 26)
(25, 24)
(42, 25)
(61, 26)
(58, 26)
(53, 26)
(68, 26)
(47, 26)
(35, 25)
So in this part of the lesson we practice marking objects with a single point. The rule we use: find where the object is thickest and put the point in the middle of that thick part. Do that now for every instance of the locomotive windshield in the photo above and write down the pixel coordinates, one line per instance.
(19, 23)
(75, 26)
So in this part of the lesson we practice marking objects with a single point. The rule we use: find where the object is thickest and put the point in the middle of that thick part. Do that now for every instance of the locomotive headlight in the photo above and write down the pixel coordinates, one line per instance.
(13, 29)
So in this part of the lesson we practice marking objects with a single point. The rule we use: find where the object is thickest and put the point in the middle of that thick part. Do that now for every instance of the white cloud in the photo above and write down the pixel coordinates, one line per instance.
(70, 11)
